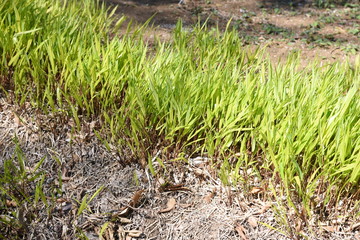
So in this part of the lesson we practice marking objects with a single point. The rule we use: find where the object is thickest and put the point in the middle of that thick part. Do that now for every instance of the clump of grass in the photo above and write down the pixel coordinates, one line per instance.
(27, 197)
(21, 195)
(331, 3)
(202, 93)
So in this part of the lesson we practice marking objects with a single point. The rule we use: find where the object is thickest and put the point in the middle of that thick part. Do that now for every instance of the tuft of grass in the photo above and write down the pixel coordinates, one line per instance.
(21, 195)
(332, 3)
(202, 93)
(25, 197)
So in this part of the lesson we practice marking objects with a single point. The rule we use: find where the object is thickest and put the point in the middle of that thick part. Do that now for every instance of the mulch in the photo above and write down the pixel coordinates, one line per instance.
(186, 202)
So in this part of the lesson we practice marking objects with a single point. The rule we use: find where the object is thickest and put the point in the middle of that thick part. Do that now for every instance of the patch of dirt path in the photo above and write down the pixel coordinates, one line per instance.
(323, 34)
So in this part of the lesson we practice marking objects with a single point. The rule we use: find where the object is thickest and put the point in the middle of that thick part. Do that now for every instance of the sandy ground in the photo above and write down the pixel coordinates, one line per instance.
(273, 24)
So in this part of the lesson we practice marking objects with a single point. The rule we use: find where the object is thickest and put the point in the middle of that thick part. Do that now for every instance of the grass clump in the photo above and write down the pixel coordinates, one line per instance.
(201, 93)
(331, 3)
(21, 195)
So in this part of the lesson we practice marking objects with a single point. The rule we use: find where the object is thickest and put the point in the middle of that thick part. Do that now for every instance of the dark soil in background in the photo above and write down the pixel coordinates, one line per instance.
(282, 26)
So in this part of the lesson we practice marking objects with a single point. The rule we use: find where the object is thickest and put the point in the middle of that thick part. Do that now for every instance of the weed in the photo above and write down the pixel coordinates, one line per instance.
(22, 197)
(350, 48)
(327, 19)
(355, 30)
(273, 29)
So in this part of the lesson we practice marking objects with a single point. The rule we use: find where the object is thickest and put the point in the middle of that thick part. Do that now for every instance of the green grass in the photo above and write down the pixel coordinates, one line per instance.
(21, 195)
(332, 3)
(201, 93)
(26, 198)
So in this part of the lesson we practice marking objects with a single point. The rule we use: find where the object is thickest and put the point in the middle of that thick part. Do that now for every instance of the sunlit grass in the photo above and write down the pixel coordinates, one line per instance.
(201, 93)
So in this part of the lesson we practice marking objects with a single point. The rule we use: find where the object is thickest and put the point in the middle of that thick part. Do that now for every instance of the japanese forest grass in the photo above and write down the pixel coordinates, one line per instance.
(201, 93)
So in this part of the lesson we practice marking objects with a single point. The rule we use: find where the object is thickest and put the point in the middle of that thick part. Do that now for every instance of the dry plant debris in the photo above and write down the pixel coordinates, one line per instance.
(169, 206)
(241, 231)
(129, 209)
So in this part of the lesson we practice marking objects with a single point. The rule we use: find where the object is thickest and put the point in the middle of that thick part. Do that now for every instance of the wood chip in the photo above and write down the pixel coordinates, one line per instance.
(134, 233)
(170, 206)
(124, 220)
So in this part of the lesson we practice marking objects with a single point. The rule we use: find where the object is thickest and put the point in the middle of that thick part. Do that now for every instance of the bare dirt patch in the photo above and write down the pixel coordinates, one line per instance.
(323, 34)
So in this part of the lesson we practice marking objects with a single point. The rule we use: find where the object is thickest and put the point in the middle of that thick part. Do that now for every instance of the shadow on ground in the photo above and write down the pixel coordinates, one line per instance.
(162, 12)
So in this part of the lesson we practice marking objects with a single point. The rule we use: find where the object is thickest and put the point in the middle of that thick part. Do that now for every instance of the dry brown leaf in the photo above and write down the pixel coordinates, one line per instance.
(357, 236)
(252, 221)
(170, 206)
(264, 208)
(132, 204)
(61, 200)
(123, 212)
(298, 226)
(331, 228)
(241, 231)
(136, 198)
(256, 190)
(209, 197)
(10, 203)
(170, 187)
(17, 120)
